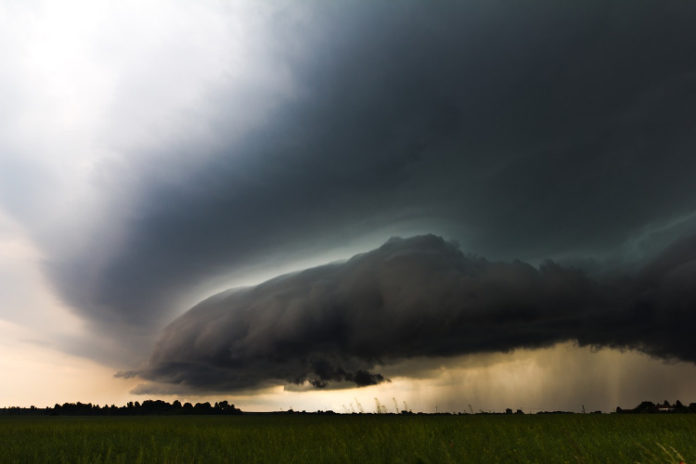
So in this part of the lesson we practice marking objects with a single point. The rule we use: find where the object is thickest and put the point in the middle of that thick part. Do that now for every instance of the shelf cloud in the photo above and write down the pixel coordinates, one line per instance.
(420, 297)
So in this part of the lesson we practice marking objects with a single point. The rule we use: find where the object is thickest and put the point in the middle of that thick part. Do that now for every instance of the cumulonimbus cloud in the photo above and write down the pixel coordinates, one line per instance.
(420, 297)
(521, 130)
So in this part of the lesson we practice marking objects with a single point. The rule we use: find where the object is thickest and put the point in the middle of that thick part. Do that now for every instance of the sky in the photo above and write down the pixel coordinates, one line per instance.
(454, 206)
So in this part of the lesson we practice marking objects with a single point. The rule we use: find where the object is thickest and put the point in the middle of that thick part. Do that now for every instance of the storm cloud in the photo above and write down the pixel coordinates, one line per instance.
(420, 297)
(155, 154)
(522, 130)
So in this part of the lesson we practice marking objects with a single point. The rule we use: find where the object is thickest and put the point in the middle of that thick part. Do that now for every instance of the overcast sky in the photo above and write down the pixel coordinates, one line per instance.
(198, 199)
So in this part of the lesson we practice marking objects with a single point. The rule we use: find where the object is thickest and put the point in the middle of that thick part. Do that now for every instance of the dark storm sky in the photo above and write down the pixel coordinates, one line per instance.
(521, 130)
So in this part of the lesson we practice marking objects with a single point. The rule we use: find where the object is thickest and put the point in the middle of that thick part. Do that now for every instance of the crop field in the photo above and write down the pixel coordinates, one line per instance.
(351, 438)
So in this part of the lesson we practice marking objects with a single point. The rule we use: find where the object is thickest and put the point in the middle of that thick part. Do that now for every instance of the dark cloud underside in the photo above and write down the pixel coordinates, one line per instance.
(420, 297)
(524, 130)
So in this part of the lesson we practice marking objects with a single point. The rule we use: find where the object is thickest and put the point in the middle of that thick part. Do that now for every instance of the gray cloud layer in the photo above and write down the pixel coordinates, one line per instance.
(420, 297)
(523, 130)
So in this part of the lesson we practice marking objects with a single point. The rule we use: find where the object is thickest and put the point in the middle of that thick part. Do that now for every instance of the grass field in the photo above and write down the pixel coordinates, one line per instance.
(363, 439)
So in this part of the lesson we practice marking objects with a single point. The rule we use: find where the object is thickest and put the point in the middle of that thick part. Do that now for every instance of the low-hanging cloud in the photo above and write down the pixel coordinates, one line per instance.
(420, 297)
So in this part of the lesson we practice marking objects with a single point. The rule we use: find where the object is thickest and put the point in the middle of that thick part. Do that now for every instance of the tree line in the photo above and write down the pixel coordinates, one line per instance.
(647, 407)
(147, 407)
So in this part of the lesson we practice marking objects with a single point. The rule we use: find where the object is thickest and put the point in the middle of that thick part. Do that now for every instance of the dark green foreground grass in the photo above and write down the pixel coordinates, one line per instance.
(363, 439)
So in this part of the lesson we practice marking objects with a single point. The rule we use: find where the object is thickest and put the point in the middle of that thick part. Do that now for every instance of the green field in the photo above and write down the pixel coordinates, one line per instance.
(363, 439)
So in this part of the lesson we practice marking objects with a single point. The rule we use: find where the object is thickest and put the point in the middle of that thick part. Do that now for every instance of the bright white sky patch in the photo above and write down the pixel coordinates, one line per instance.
(97, 86)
